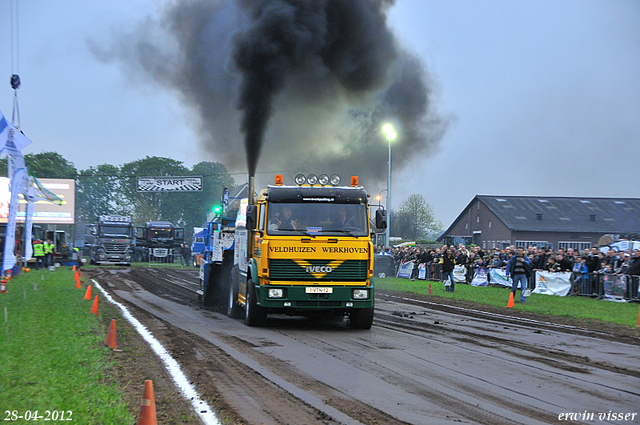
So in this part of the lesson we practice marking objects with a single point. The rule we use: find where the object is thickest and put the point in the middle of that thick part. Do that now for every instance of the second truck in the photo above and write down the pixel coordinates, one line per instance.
(110, 240)
(301, 249)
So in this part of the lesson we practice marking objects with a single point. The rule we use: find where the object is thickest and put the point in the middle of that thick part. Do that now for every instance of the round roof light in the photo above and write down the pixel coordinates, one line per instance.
(335, 179)
(312, 179)
(323, 179)
(300, 179)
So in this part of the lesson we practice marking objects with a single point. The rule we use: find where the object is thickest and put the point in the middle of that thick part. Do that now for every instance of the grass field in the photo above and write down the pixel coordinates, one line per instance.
(53, 357)
(571, 307)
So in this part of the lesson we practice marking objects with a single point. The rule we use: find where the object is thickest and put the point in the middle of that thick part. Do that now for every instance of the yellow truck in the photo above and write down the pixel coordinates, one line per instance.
(302, 249)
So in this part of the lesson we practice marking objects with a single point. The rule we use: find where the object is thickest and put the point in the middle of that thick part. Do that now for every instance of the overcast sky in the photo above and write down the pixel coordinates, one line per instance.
(543, 97)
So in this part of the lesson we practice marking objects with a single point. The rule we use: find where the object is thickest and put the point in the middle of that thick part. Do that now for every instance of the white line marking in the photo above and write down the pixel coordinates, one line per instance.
(201, 407)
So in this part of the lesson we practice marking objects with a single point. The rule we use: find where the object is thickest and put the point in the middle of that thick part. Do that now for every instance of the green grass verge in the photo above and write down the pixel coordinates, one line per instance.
(571, 307)
(53, 356)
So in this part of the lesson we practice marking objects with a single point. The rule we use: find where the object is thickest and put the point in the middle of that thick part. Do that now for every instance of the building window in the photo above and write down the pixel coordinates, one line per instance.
(577, 246)
(478, 206)
(478, 219)
(489, 224)
(527, 244)
(466, 224)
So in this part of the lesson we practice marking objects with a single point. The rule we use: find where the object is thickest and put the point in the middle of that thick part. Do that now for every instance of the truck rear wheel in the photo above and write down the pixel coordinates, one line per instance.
(209, 298)
(361, 318)
(233, 309)
(254, 314)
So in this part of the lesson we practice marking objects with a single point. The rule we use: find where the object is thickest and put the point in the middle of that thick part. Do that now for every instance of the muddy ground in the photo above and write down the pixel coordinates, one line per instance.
(220, 379)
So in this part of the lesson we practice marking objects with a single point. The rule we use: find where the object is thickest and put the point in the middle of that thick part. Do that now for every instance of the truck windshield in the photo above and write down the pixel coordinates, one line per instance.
(317, 218)
(116, 231)
(160, 233)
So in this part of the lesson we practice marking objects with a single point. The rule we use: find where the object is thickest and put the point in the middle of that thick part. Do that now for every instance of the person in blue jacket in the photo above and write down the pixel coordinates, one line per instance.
(519, 268)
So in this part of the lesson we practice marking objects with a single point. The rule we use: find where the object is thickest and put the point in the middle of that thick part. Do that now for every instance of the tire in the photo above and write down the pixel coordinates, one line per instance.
(254, 314)
(361, 318)
(233, 309)
(209, 298)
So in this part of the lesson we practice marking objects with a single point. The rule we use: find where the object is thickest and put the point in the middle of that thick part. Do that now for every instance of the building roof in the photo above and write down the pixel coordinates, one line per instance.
(560, 214)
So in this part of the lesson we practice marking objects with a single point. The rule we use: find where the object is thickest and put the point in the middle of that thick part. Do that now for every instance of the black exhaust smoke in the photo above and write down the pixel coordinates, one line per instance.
(309, 83)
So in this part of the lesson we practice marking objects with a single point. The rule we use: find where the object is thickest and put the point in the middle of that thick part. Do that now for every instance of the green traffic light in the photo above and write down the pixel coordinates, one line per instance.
(216, 209)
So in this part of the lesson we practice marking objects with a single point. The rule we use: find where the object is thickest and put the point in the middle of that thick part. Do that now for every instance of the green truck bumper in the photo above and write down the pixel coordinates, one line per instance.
(297, 297)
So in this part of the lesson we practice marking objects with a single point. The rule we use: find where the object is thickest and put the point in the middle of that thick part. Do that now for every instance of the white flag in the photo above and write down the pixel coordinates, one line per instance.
(11, 138)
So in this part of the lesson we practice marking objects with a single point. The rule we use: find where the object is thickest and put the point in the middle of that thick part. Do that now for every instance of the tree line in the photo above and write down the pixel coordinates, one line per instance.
(109, 189)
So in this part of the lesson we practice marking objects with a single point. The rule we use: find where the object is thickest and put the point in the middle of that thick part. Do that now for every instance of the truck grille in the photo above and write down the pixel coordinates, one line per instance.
(350, 270)
(115, 248)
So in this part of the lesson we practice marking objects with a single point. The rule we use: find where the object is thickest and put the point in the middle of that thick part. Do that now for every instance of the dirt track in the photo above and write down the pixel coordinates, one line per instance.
(419, 364)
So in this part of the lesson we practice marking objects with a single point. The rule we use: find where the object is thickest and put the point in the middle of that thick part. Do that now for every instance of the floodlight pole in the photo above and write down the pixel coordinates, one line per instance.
(388, 245)
(391, 135)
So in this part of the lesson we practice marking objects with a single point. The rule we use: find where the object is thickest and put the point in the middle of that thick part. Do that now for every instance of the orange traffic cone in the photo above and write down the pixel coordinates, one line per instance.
(430, 289)
(74, 268)
(511, 303)
(3, 286)
(87, 295)
(77, 282)
(148, 407)
(639, 317)
(111, 336)
(94, 308)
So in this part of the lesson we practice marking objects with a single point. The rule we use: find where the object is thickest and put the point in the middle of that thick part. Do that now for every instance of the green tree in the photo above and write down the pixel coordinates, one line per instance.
(153, 206)
(214, 179)
(98, 193)
(50, 165)
(415, 220)
(45, 165)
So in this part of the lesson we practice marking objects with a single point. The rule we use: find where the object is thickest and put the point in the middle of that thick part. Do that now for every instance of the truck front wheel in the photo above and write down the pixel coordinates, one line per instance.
(361, 318)
(254, 314)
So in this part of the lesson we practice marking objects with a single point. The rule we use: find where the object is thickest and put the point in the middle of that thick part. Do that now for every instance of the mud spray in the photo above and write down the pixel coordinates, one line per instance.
(301, 85)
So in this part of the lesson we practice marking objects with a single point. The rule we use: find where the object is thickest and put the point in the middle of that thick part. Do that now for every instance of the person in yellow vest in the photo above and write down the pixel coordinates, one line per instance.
(38, 253)
(78, 256)
(48, 253)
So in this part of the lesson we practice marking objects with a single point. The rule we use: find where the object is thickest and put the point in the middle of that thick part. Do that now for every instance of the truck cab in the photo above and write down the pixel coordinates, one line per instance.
(303, 249)
(159, 241)
(110, 240)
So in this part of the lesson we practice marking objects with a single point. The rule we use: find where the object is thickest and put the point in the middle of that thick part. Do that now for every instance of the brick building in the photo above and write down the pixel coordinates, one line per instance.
(557, 222)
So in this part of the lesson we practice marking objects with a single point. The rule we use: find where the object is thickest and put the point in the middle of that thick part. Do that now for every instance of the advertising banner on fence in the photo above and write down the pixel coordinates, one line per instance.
(553, 283)
(422, 272)
(459, 274)
(480, 278)
(615, 287)
(405, 269)
(499, 277)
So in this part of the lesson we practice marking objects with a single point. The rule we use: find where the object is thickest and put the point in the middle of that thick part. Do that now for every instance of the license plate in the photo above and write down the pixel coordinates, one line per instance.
(319, 290)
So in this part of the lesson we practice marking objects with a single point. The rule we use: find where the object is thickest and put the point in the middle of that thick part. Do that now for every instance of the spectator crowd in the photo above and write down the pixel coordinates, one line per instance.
(583, 265)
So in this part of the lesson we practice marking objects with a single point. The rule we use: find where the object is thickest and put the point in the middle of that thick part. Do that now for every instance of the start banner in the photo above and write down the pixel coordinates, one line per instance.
(170, 184)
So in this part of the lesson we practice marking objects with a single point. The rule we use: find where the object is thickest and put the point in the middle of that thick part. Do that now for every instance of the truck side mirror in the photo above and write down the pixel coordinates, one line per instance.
(139, 232)
(381, 219)
(252, 216)
(179, 233)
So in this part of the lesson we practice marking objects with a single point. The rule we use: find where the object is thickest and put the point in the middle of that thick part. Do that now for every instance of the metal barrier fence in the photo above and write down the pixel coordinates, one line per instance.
(593, 286)
(169, 260)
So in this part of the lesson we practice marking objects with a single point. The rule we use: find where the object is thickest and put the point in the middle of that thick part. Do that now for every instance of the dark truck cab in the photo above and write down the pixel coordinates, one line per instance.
(159, 241)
